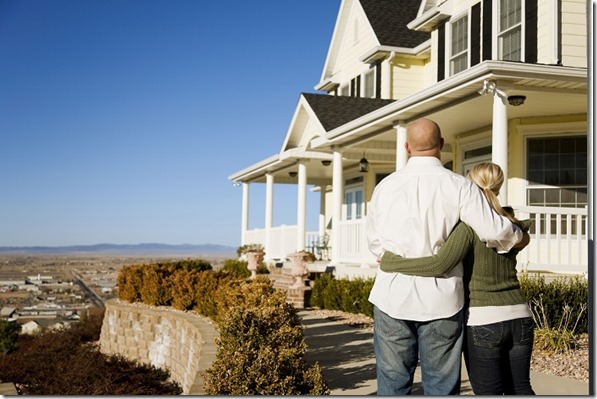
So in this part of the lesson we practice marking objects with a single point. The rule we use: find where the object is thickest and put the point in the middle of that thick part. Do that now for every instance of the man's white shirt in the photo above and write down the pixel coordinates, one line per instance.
(411, 213)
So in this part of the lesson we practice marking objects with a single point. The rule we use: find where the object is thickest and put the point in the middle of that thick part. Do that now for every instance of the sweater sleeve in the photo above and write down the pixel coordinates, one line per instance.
(453, 251)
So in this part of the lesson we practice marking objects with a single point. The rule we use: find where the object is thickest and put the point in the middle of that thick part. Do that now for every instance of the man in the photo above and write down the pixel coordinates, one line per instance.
(411, 213)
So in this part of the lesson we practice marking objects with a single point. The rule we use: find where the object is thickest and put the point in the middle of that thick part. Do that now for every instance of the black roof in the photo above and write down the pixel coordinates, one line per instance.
(335, 111)
(389, 19)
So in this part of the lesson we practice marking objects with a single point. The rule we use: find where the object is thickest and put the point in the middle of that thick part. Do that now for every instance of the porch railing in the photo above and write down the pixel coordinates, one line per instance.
(559, 240)
(282, 240)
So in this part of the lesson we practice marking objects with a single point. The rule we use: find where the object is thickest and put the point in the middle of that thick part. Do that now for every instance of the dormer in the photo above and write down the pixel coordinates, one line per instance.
(369, 37)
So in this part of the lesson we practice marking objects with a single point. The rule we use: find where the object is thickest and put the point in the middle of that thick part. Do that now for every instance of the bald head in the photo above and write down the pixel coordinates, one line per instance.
(424, 138)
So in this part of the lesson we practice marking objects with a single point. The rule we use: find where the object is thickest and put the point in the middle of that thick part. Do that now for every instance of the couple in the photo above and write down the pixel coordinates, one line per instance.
(425, 209)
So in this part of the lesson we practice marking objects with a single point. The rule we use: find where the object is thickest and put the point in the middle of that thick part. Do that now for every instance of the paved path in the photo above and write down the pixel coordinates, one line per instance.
(346, 357)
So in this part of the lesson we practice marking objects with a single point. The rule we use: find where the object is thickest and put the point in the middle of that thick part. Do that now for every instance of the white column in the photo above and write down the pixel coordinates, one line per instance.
(337, 198)
(499, 140)
(244, 214)
(322, 211)
(301, 212)
(386, 78)
(269, 211)
(401, 154)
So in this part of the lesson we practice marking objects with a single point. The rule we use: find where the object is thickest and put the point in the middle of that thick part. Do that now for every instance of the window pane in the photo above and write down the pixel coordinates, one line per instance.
(561, 163)
(359, 204)
(348, 206)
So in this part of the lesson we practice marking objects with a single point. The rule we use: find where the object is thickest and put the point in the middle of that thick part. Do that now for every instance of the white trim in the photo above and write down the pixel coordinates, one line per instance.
(548, 130)
(450, 35)
(496, 30)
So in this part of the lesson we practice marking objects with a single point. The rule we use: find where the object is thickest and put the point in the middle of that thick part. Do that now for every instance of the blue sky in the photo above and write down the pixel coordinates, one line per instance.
(121, 120)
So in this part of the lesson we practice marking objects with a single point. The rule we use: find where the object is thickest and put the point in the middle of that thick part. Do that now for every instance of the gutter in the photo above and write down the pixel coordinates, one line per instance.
(486, 70)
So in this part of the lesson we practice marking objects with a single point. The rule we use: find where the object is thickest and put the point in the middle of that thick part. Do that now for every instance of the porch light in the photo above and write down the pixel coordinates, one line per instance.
(516, 100)
(363, 165)
(326, 162)
(292, 174)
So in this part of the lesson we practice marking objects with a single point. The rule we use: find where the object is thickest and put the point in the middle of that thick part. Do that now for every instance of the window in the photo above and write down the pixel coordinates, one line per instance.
(557, 172)
(474, 155)
(353, 203)
(459, 46)
(510, 30)
(369, 84)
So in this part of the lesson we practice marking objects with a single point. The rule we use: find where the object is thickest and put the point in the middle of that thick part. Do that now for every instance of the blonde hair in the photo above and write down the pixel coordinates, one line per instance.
(489, 177)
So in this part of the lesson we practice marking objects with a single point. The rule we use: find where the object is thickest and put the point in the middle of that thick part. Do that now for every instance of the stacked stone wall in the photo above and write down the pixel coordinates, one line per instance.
(181, 342)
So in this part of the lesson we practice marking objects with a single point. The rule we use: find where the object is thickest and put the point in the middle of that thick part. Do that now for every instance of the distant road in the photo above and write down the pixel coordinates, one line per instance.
(95, 300)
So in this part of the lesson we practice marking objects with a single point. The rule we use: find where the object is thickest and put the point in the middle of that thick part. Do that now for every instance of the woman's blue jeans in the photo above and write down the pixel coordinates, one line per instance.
(399, 344)
(498, 357)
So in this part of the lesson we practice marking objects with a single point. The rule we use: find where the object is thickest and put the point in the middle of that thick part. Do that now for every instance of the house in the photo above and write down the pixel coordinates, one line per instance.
(30, 328)
(507, 82)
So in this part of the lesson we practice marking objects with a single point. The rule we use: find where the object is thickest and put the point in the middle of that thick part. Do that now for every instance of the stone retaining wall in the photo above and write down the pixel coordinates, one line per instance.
(181, 342)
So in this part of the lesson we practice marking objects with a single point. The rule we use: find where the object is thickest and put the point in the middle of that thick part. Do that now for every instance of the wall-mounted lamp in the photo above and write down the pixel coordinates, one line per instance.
(516, 100)
(292, 174)
(363, 165)
(326, 162)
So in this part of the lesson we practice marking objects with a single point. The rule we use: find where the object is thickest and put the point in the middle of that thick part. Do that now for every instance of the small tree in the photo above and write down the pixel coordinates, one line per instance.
(9, 336)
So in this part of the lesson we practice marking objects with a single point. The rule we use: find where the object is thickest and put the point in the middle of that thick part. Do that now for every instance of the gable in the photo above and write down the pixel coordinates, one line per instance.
(364, 25)
(317, 114)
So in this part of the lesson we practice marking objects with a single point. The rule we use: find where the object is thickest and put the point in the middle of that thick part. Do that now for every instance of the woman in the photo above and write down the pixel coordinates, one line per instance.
(500, 328)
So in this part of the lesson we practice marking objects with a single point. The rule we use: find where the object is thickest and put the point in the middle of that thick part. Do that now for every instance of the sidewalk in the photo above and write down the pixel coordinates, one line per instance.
(346, 357)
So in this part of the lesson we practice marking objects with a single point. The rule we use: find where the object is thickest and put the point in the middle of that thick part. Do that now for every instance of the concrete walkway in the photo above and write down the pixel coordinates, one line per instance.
(346, 357)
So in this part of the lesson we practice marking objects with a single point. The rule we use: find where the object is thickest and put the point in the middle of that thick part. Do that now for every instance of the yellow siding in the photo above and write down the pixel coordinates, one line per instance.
(516, 173)
(408, 77)
(358, 39)
(546, 41)
(574, 33)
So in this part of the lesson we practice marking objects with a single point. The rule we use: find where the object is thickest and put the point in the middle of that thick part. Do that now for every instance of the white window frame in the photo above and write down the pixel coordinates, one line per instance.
(469, 143)
(498, 34)
(464, 52)
(351, 211)
(549, 130)
(368, 74)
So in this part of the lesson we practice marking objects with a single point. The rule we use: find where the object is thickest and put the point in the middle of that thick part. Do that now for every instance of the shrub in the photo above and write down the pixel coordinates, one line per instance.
(556, 296)
(558, 339)
(9, 336)
(340, 294)
(236, 268)
(261, 348)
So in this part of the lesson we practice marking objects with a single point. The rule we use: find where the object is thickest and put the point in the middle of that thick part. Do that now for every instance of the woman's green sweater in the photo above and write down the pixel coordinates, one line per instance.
(490, 279)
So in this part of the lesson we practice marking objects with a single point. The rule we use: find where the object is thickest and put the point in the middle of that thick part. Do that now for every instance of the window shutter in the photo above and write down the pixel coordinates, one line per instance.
(530, 32)
(487, 25)
(476, 34)
(441, 52)
(358, 86)
(378, 80)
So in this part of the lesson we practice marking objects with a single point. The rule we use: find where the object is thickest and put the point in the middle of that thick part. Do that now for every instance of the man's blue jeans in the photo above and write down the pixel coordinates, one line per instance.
(498, 357)
(398, 345)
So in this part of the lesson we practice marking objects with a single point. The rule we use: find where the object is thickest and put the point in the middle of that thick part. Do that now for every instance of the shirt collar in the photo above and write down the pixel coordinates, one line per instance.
(424, 161)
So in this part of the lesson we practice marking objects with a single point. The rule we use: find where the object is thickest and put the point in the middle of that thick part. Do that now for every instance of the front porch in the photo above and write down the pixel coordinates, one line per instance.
(559, 244)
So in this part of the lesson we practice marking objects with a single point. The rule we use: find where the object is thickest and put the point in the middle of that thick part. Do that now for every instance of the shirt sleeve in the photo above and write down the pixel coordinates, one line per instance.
(455, 248)
(373, 236)
(493, 229)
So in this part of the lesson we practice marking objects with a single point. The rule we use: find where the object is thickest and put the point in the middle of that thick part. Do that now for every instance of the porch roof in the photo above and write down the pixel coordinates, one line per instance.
(457, 106)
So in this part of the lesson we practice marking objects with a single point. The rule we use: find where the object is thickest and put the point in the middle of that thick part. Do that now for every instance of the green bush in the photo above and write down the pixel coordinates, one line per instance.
(261, 350)
(341, 294)
(563, 293)
(9, 336)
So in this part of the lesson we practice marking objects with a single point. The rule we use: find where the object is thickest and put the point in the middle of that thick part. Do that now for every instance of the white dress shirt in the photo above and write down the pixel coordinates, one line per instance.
(411, 213)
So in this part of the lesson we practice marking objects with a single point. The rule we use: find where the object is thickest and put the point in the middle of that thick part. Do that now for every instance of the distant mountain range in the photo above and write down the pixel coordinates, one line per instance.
(137, 249)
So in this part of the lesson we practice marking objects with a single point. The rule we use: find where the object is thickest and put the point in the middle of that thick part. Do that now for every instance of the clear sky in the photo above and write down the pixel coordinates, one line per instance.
(121, 120)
